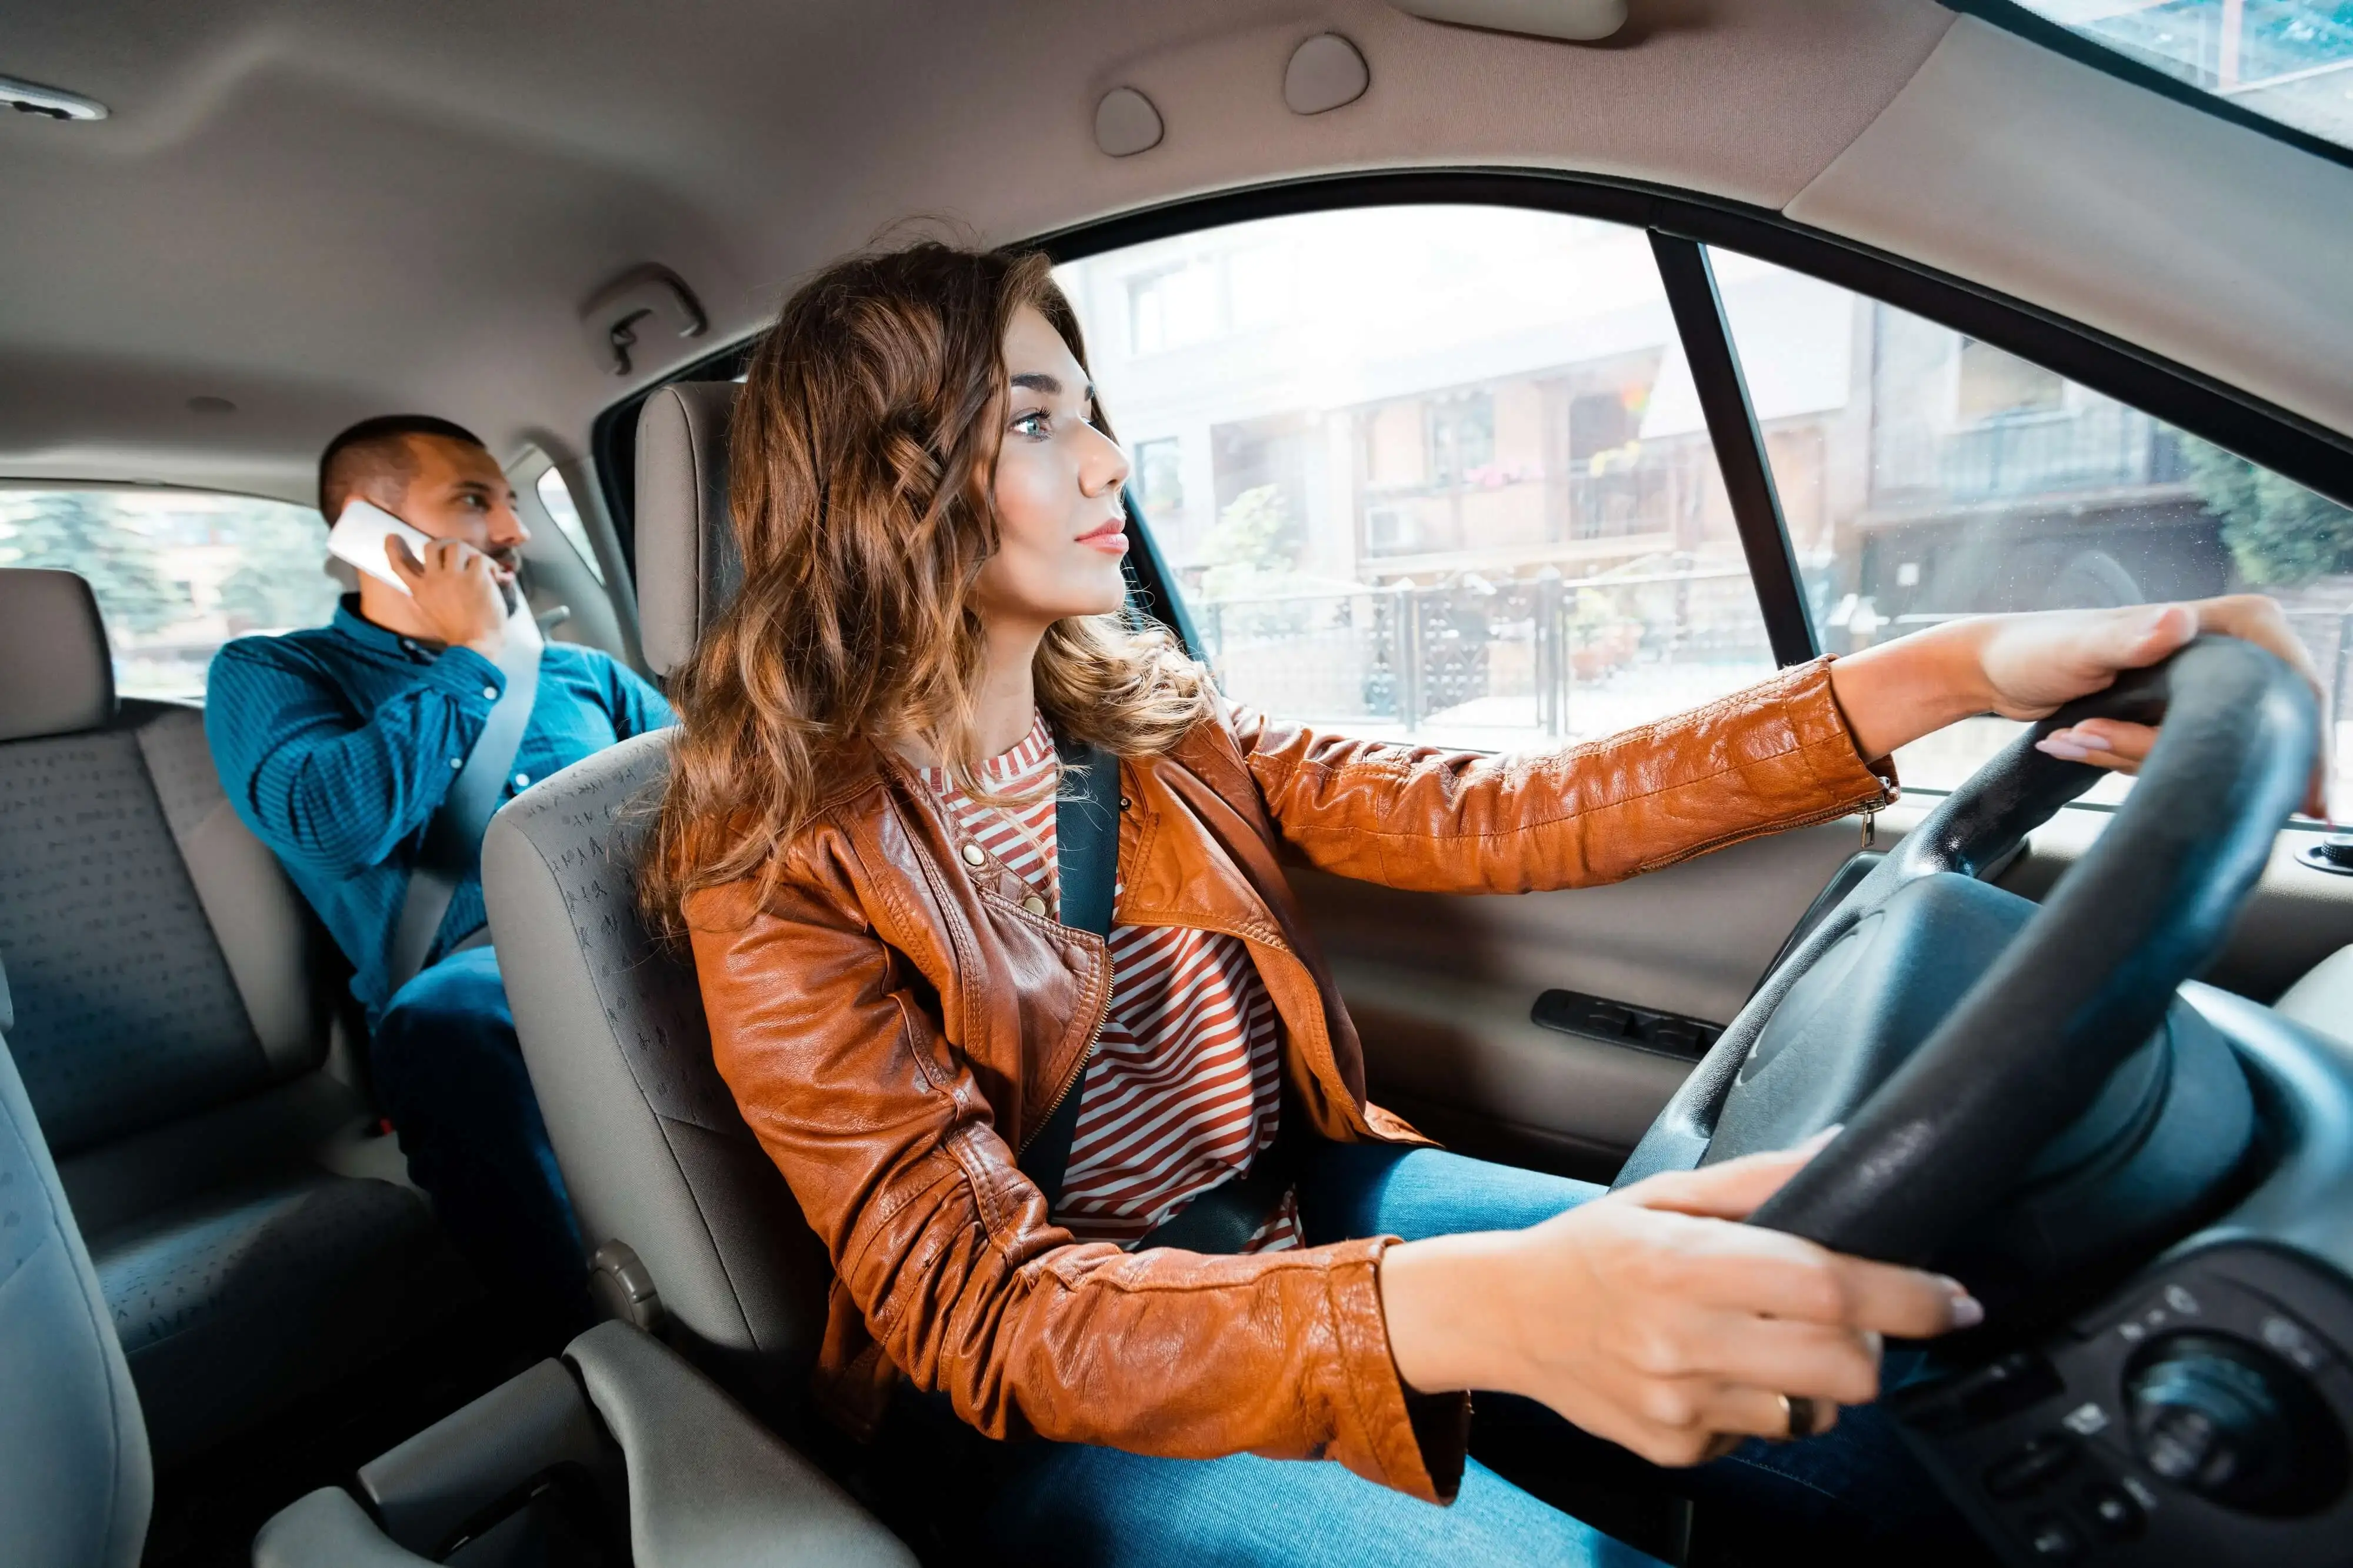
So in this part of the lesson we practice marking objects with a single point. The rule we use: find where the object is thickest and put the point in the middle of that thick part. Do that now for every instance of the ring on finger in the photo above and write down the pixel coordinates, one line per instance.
(1800, 1416)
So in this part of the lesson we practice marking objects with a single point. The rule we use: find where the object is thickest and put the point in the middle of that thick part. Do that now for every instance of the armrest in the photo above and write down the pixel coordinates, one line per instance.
(473, 1467)
(328, 1530)
(707, 1485)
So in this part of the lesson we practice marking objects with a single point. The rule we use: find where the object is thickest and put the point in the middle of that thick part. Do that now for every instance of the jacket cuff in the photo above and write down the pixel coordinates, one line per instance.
(1413, 1442)
(1826, 741)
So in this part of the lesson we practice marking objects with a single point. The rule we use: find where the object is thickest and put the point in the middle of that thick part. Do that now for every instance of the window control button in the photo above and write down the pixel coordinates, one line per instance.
(2029, 1468)
(2000, 1388)
(1608, 1020)
(1674, 1037)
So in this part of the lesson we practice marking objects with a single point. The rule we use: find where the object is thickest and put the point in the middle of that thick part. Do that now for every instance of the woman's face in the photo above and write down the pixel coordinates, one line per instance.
(1061, 525)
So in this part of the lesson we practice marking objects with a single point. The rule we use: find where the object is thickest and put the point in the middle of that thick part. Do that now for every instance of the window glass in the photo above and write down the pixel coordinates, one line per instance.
(2289, 60)
(556, 497)
(176, 572)
(1437, 472)
(1926, 475)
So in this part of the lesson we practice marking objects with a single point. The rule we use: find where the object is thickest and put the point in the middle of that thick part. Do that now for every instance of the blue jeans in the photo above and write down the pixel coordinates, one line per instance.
(449, 1072)
(1071, 1503)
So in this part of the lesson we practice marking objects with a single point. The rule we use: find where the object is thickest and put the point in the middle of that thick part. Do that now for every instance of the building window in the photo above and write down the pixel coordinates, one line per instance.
(1993, 382)
(1172, 308)
(1462, 437)
(1160, 478)
(1208, 297)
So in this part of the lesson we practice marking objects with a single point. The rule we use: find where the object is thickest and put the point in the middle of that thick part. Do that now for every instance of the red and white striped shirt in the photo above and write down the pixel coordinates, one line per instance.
(1184, 1090)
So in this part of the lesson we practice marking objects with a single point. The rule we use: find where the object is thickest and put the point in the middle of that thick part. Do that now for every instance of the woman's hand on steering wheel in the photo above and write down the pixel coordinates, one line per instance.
(2034, 663)
(2027, 666)
(1651, 1318)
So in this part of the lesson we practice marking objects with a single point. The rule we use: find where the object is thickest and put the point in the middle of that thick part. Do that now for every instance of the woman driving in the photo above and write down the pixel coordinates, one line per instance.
(999, 1122)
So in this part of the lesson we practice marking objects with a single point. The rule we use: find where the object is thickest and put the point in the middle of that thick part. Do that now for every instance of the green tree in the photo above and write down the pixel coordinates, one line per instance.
(81, 532)
(278, 581)
(2278, 532)
(1253, 540)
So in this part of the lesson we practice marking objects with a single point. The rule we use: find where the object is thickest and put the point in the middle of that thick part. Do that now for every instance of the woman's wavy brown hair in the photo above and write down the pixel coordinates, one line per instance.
(863, 443)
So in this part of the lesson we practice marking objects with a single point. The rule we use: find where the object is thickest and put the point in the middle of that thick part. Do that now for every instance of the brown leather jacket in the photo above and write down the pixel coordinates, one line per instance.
(894, 1026)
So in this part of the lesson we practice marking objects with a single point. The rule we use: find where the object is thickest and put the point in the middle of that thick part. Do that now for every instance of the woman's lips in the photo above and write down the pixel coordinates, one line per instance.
(1111, 538)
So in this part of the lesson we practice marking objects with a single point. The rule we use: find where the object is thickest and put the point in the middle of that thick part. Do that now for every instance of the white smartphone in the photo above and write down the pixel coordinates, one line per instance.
(358, 538)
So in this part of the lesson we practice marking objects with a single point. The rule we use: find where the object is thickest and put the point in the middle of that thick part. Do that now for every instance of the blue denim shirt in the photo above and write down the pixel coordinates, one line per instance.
(336, 744)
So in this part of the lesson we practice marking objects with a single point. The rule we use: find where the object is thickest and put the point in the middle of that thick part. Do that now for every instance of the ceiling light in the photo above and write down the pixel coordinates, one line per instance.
(54, 103)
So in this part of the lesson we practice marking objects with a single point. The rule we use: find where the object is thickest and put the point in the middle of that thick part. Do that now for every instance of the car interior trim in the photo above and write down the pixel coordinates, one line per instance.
(1740, 455)
(2290, 444)
(2044, 33)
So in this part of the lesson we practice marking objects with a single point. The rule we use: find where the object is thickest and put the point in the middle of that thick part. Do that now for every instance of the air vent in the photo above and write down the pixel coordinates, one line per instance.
(52, 103)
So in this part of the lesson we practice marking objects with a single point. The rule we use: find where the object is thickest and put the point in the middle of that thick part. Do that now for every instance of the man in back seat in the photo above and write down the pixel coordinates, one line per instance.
(357, 752)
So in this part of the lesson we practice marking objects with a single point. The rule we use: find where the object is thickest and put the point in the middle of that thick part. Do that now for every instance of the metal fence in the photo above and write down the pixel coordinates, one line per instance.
(1514, 653)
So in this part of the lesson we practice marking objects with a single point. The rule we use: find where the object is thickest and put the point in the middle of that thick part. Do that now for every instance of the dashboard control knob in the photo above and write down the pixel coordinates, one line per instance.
(2231, 1421)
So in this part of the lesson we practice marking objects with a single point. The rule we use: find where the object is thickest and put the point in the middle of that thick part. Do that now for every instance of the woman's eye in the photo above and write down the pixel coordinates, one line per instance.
(1031, 424)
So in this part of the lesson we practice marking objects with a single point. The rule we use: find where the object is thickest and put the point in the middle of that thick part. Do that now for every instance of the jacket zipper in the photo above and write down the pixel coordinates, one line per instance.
(1069, 1085)
(1744, 834)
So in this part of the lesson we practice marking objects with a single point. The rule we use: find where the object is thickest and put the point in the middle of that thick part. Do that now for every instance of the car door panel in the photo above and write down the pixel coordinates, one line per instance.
(1441, 987)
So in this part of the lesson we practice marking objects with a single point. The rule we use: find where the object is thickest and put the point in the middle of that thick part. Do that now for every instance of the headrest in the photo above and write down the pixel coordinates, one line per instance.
(687, 560)
(56, 675)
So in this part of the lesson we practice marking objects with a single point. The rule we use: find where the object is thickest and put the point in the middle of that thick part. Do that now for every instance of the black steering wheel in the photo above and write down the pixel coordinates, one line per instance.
(1974, 1044)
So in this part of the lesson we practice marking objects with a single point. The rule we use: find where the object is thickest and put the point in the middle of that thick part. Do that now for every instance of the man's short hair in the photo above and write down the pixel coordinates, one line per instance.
(378, 448)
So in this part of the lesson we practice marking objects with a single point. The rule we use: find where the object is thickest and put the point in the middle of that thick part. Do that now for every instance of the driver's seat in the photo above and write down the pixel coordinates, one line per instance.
(672, 1191)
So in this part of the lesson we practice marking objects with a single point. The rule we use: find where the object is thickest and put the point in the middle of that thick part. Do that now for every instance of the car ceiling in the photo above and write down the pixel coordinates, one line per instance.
(323, 209)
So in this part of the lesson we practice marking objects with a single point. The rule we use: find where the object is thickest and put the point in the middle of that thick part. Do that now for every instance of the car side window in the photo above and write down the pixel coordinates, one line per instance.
(1926, 475)
(1427, 472)
(556, 497)
(176, 572)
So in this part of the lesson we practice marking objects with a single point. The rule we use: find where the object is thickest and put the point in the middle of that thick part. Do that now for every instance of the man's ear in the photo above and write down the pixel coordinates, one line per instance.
(387, 492)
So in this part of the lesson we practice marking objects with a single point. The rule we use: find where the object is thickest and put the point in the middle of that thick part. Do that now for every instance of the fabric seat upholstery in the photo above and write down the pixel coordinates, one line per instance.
(653, 1150)
(75, 1485)
(233, 1305)
(172, 1013)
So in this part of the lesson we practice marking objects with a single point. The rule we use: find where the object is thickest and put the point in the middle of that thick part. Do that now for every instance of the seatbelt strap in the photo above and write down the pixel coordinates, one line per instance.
(1086, 868)
(452, 851)
(1224, 1218)
(1086, 855)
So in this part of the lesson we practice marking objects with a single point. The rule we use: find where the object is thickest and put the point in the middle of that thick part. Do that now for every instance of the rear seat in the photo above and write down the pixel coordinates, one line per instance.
(175, 1004)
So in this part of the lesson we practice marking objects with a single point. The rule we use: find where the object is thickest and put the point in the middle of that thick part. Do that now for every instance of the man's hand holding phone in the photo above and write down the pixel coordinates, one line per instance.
(458, 589)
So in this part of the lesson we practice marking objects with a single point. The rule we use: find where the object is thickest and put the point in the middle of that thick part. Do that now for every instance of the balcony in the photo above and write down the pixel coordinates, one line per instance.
(2021, 457)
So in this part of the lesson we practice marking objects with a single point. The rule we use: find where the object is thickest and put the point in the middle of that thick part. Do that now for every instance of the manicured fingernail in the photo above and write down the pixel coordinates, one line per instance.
(2089, 740)
(1967, 1310)
(2065, 750)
